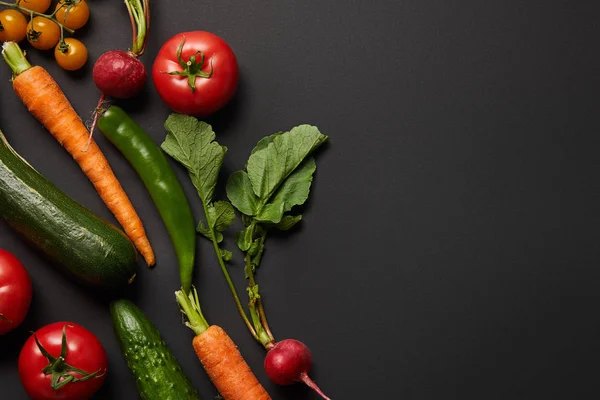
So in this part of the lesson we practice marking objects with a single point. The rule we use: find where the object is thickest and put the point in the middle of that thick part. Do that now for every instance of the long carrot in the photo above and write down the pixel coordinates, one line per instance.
(219, 356)
(45, 101)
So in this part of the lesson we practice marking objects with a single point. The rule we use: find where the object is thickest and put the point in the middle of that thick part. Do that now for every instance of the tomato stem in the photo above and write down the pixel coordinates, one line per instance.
(32, 13)
(58, 367)
(191, 68)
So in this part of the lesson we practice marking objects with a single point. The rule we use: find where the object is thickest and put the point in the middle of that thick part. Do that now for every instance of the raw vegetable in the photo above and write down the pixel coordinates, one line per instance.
(63, 361)
(45, 101)
(157, 374)
(73, 14)
(192, 143)
(119, 73)
(15, 292)
(220, 357)
(195, 73)
(71, 54)
(288, 362)
(35, 5)
(152, 166)
(42, 33)
(277, 178)
(89, 248)
(13, 26)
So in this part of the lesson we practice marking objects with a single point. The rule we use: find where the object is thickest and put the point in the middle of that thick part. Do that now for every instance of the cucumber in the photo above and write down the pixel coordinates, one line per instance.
(157, 374)
(89, 248)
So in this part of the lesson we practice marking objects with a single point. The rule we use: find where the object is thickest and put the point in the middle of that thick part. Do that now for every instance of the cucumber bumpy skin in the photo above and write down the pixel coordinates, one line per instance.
(157, 374)
(89, 248)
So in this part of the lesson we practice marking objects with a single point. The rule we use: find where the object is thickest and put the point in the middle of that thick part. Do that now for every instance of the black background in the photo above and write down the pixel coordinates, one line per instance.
(450, 245)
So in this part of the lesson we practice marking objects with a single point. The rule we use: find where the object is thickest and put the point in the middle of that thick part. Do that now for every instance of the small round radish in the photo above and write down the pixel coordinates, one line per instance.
(288, 362)
(119, 74)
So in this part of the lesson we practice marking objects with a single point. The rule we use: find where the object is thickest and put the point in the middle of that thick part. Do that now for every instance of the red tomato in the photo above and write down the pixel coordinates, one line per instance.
(82, 351)
(195, 73)
(15, 292)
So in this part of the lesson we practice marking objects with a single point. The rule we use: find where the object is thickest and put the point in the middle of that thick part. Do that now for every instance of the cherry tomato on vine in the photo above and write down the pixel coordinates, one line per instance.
(73, 14)
(70, 54)
(62, 361)
(13, 26)
(195, 73)
(35, 5)
(42, 33)
(15, 292)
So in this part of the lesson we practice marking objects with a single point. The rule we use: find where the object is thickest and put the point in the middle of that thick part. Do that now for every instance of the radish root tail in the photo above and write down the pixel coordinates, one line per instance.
(94, 121)
(311, 384)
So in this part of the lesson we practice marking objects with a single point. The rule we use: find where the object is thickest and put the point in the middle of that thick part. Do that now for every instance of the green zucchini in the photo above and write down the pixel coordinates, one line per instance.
(89, 248)
(157, 374)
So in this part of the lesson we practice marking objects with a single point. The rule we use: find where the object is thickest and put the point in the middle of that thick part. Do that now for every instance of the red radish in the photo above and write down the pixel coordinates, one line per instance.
(119, 74)
(288, 362)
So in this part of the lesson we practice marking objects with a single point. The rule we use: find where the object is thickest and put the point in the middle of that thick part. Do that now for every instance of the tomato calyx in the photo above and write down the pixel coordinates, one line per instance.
(191, 68)
(63, 47)
(33, 35)
(58, 367)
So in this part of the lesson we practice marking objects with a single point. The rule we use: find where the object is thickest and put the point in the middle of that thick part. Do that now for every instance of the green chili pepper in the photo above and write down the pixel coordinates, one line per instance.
(159, 178)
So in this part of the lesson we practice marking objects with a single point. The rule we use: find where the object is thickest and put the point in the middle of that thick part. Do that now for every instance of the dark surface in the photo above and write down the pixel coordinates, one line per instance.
(450, 246)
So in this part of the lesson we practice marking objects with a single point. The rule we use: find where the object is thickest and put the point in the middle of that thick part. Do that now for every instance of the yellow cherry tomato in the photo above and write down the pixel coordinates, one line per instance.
(13, 26)
(71, 54)
(42, 33)
(34, 5)
(73, 14)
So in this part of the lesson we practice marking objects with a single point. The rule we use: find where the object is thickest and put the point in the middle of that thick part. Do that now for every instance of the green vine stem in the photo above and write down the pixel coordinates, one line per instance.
(32, 13)
(139, 13)
(257, 311)
(230, 284)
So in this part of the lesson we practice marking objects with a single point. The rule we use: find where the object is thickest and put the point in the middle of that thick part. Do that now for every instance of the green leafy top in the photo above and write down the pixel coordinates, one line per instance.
(192, 143)
(277, 177)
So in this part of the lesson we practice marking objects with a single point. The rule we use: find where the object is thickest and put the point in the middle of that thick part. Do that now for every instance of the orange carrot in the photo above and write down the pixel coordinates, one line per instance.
(45, 101)
(226, 367)
(220, 357)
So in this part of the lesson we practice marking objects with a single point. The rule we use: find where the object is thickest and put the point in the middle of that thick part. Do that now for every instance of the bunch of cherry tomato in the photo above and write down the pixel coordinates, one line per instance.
(46, 31)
